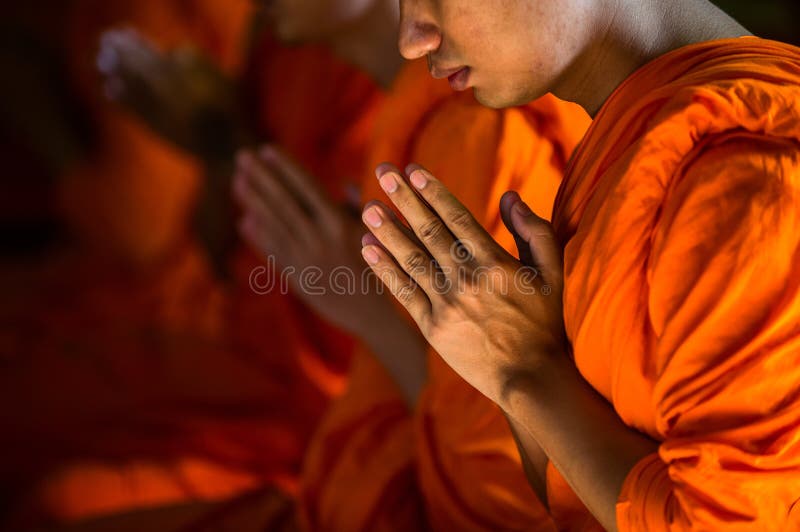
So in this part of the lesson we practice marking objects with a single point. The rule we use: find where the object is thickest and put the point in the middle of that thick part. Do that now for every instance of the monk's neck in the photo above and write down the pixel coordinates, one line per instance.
(633, 33)
(370, 43)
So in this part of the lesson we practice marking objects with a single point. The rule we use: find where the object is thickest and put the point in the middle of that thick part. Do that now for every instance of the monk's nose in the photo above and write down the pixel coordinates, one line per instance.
(419, 34)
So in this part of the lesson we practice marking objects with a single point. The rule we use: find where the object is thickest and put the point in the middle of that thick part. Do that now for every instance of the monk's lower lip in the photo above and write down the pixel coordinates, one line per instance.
(459, 81)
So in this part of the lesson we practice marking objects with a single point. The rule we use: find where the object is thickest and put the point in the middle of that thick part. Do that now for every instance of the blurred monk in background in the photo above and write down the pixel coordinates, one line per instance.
(154, 379)
(649, 345)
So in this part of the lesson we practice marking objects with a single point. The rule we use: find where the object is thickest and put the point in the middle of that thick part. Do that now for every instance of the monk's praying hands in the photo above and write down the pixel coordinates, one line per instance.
(490, 316)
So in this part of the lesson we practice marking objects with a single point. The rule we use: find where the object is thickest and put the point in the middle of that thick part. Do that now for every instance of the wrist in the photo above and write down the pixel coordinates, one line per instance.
(537, 385)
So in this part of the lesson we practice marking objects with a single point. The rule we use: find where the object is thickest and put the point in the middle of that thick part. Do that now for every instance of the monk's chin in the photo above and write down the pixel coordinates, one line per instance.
(493, 100)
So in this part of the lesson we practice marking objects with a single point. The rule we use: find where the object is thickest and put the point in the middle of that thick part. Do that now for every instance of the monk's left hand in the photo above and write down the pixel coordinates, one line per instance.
(493, 318)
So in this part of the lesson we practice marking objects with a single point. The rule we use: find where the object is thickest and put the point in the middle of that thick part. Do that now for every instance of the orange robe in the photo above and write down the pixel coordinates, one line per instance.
(172, 387)
(452, 463)
(680, 217)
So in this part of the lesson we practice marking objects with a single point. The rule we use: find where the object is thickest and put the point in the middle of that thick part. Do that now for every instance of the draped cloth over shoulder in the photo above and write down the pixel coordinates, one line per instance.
(680, 217)
(455, 450)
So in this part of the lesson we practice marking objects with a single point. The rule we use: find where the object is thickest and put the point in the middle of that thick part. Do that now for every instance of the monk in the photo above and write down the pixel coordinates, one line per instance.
(388, 455)
(648, 341)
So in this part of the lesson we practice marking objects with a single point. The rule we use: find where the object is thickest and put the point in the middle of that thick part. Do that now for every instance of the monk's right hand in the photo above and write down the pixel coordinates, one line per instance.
(180, 94)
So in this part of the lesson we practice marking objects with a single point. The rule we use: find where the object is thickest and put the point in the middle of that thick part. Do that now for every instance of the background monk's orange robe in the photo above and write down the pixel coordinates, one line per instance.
(452, 464)
(172, 387)
(680, 217)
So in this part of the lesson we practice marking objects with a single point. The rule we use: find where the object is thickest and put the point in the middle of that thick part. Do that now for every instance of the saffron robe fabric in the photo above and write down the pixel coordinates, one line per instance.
(680, 220)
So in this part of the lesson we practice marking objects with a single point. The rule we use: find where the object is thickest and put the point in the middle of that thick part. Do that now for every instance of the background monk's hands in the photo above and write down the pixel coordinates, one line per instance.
(180, 94)
(286, 215)
(493, 318)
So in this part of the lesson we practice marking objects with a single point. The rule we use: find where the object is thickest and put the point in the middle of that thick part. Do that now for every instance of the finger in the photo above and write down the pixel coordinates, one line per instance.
(401, 286)
(267, 233)
(411, 257)
(300, 183)
(107, 60)
(507, 202)
(397, 221)
(369, 240)
(352, 199)
(541, 239)
(265, 238)
(426, 225)
(276, 198)
(458, 220)
(251, 203)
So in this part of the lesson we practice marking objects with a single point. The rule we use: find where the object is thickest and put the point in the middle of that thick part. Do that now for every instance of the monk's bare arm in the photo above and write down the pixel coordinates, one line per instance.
(580, 433)
(534, 459)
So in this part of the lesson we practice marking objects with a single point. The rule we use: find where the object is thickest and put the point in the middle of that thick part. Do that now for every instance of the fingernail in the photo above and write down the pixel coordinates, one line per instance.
(418, 179)
(523, 209)
(382, 169)
(370, 255)
(373, 217)
(388, 182)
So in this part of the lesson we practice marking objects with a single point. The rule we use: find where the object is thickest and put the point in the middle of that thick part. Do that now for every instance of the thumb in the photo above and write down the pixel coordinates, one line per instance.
(507, 203)
(535, 238)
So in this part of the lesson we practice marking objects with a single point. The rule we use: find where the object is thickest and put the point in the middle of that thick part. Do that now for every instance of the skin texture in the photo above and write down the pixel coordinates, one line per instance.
(508, 44)
(512, 347)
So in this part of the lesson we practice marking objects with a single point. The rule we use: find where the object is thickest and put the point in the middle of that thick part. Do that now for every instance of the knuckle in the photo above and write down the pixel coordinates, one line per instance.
(461, 219)
(431, 230)
(405, 293)
(415, 261)
(438, 194)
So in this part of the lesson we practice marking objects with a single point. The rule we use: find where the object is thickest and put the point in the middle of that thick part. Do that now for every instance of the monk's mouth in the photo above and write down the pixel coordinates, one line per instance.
(459, 80)
(458, 77)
